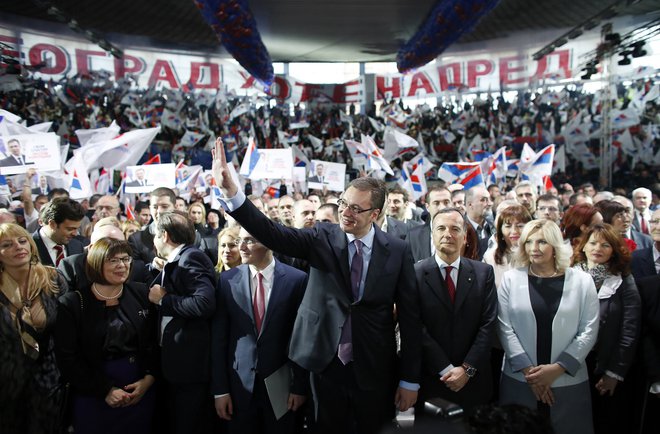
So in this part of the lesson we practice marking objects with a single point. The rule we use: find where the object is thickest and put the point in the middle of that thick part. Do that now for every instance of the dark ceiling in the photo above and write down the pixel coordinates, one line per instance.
(311, 30)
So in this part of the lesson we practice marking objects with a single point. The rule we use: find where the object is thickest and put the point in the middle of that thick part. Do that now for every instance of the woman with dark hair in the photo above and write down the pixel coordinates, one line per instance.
(215, 221)
(620, 217)
(510, 223)
(30, 396)
(105, 345)
(603, 254)
(576, 220)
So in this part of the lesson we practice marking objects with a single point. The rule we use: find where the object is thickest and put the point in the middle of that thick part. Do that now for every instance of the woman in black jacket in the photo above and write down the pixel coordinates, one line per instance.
(105, 345)
(602, 253)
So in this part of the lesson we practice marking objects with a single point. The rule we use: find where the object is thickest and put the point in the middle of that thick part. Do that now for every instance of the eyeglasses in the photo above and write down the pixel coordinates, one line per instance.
(354, 209)
(248, 241)
(116, 261)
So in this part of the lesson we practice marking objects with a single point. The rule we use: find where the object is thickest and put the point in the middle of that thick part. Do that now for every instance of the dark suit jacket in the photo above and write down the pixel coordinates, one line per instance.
(643, 241)
(238, 355)
(142, 243)
(11, 161)
(80, 337)
(37, 190)
(649, 290)
(642, 263)
(74, 247)
(136, 183)
(72, 269)
(419, 239)
(328, 300)
(315, 178)
(619, 329)
(190, 300)
(209, 245)
(400, 229)
(457, 333)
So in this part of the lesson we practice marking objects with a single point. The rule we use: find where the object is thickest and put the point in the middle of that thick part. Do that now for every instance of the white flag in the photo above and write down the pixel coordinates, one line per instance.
(98, 135)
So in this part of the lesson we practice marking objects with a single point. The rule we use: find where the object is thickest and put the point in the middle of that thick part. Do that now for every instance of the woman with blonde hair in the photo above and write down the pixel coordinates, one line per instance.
(228, 254)
(30, 390)
(548, 323)
(197, 213)
(129, 227)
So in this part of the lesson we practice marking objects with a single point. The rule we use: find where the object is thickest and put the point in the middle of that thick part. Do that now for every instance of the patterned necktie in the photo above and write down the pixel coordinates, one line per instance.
(451, 289)
(59, 249)
(345, 352)
(259, 302)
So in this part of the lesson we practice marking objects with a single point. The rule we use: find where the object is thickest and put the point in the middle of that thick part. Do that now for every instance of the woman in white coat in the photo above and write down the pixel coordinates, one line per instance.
(548, 323)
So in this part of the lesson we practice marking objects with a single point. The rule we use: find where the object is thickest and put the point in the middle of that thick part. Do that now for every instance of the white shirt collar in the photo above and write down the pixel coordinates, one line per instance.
(50, 244)
(367, 240)
(266, 272)
(175, 252)
(442, 264)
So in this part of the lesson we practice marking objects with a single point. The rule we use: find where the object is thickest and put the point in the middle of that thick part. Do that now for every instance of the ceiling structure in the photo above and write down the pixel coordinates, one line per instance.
(309, 30)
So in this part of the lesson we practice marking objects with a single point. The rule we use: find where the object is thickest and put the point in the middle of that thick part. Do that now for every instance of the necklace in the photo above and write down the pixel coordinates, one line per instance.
(96, 291)
(536, 275)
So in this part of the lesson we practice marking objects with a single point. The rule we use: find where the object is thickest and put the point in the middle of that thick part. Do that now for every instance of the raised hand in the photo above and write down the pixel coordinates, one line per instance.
(221, 171)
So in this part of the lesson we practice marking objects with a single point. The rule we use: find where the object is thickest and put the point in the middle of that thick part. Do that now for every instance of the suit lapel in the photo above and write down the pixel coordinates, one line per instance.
(433, 280)
(43, 250)
(339, 246)
(379, 253)
(465, 282)
(276, 294)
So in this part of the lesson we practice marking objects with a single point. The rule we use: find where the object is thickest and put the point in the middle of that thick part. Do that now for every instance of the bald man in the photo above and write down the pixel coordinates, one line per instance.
(72, 268)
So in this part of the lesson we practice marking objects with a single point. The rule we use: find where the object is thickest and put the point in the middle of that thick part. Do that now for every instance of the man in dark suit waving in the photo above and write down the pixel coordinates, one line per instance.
(185, 294)
(344, 329)
(459, 313)
(257, 304)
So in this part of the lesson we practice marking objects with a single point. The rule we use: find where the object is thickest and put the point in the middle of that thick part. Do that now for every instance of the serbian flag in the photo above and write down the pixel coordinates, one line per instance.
(375, 158)
(4, 188)
(467, 174)
(547, 183)
(251, 158)
(541, 164)
(299, 157)
(153, 160)
(130, 213)
(102, 183)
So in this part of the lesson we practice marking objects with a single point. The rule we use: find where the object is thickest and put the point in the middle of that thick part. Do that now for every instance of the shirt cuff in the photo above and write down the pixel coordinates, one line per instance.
(613, 375)
(220, 396)
(447, 369)
(409, 386)
(655, 387)
(233, 203)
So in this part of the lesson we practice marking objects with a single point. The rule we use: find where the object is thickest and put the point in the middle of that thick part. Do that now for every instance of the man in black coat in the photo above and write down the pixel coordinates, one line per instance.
(184, 292)
(55, 240)
(345, 328)
(646, 262)
(459, 313)
(72, 268)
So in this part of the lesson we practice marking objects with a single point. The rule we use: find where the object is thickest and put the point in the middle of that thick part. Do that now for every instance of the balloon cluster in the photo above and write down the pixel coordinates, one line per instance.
(233, 23)
(446, 23)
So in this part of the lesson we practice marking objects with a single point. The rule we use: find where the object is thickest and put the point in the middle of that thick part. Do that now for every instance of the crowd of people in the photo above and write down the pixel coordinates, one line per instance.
(326, 314)
(323, 312)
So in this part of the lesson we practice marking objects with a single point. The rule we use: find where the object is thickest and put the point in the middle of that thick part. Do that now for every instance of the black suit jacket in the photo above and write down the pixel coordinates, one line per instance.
(80, 335)
(328, 300)
(11, 161)
(142, 243)
(37, 190)
(457, 333)
(238, 354)
(72, 269)
(642, 263)
(419, 239)
(400, 229)
(649, 290)
(190, 301)
(73, 248)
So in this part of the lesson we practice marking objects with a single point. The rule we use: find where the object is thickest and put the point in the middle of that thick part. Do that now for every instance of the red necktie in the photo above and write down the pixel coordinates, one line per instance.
(60, 254)
(451, 289)
(259, 302)
(644, 227)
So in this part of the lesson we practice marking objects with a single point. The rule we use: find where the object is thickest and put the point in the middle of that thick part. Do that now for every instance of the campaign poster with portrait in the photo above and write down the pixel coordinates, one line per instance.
(145, 178)
(325, 174)
(40, 151)
(270, 164)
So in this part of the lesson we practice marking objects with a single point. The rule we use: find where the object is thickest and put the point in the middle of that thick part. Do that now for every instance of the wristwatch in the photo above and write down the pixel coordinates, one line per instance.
(470, 370)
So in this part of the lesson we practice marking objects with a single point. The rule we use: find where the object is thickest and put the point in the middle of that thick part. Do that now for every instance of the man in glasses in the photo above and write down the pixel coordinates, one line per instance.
(548, 207)
(344, 329)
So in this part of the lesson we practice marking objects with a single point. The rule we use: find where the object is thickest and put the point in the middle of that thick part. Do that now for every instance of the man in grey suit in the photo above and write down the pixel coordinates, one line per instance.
(421, 244)
(458, 313)
(344, 331)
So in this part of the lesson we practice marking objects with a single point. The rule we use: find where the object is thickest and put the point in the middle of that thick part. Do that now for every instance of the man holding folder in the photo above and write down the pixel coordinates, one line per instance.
(251, 372)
